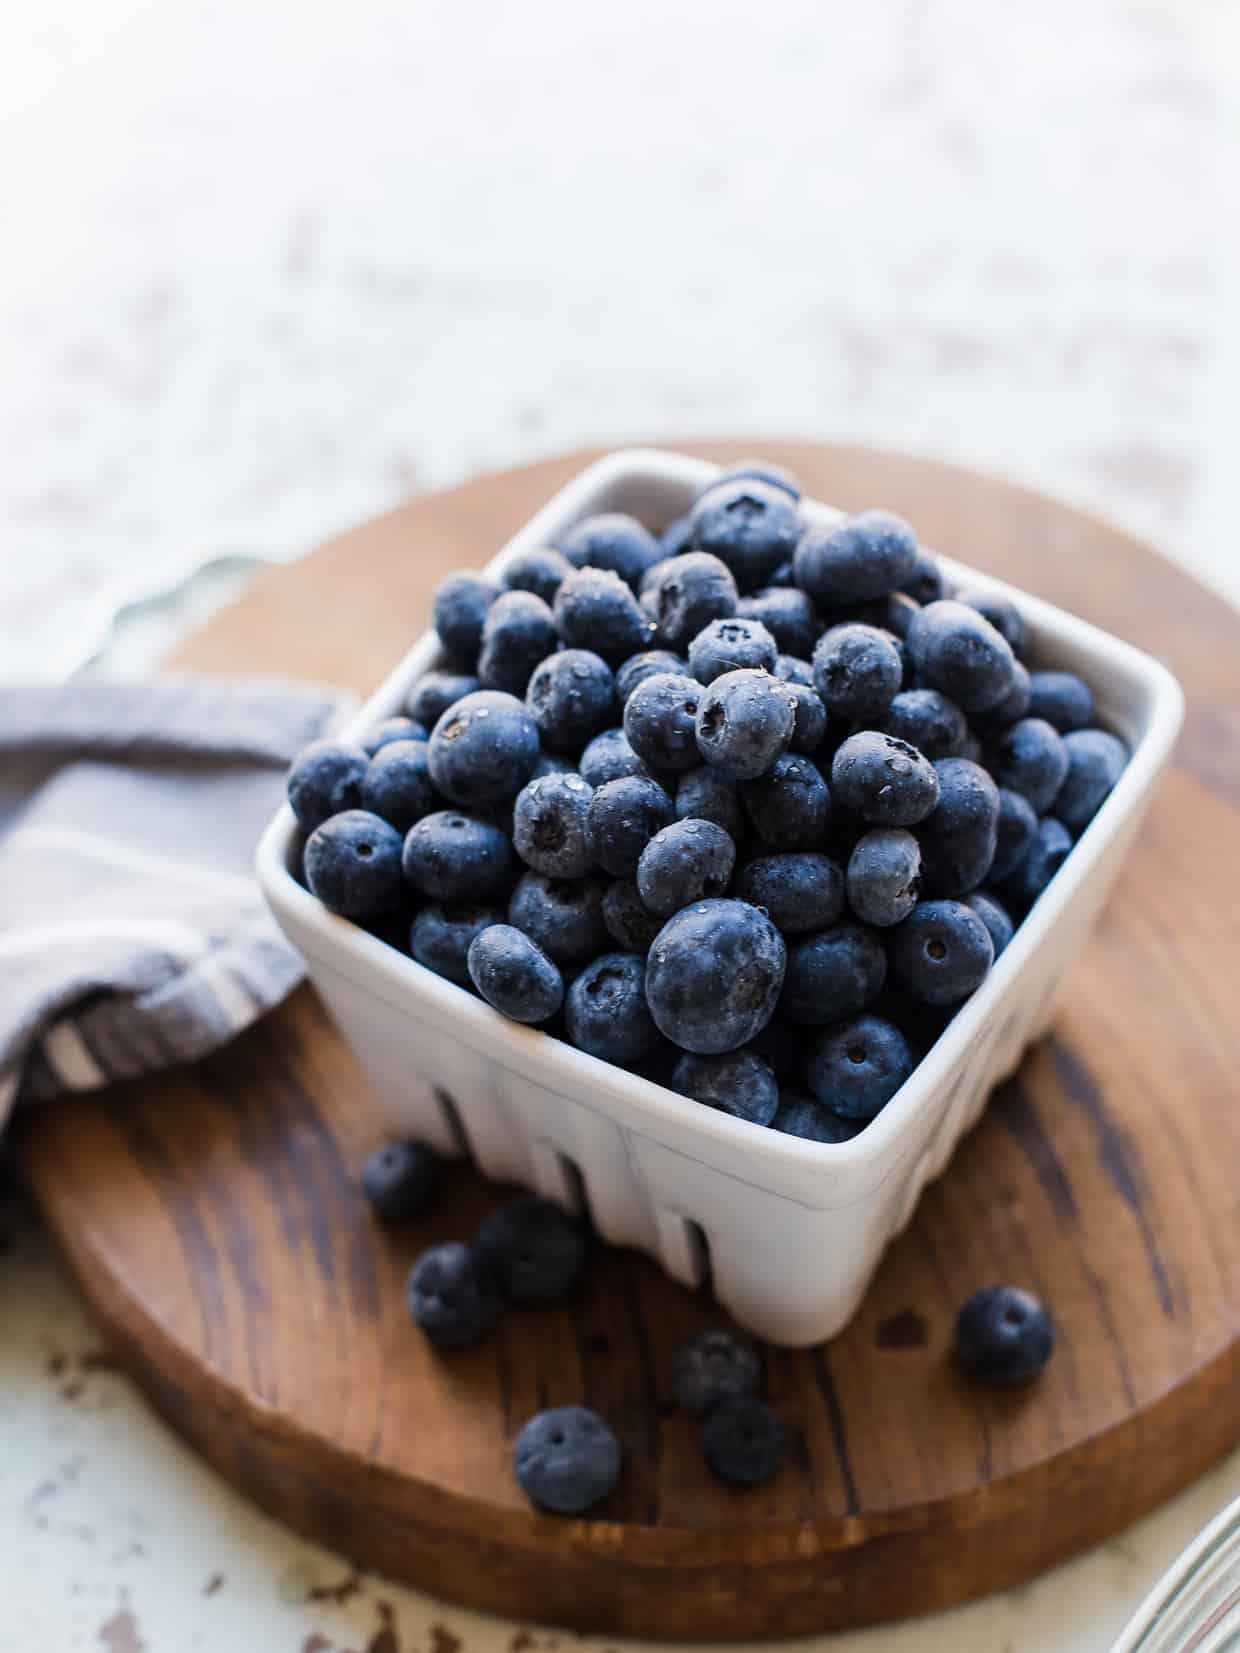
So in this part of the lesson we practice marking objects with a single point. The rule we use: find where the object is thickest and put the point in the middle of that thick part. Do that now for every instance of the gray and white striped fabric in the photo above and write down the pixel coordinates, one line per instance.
(132, 934)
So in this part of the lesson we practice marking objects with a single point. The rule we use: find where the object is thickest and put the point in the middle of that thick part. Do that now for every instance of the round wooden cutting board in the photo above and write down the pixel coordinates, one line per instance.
(214, 1221)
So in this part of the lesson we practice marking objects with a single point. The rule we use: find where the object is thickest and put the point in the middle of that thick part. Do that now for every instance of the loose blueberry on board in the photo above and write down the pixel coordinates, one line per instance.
(1004, 1335)
(743, 1442)
(571, 697)
(959, 837)
(955, 649)
(863, 557)
(731, 645)
(630, 923)
(441, 937)
(623, 817)
(397, 784)
(1065, 700)
(352, 864)
(805, 1116)
(566, 1460)
(686, 594)
(1015, 832)
(606, 1013)
(649, 663)
(759, 470)
(745, 720)
(737, 1082)
(550, 826)
(514, 975)
(714, 1366)
(1031, 758)
(542, 571)
(533, 1250)
(399, 1179)
(833, 975)
(706, 794)
(855, 1069)
(800, 892)
(1096, 760)
(749, 525)
(484, 748)
(884, 876)
(684, 862)
(393, 728)
(459, 610)
(453, 857)
(714, 974)
(884, 780)
(325, 777)
(563, 915)
(615, 542)
(857, 672)
(518, 632)
(594, 609)
(942, 952)
(1051, 847)
(660, 718)
(452, 1298)
(995, 916)
(608, 757)
(790, 806)
(1003, 615)
(434, 692)
(792, 668)
(677, 538)
(809, 719)
(925, 583)
(787, 614)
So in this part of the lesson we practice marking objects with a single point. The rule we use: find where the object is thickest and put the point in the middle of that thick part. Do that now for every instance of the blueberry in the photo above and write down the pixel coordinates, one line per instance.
(432, 694)
(397, 784)
(326, 777)
(519, 632)
(893, 613)
(833, 975)
(805, 1116)
(566, 1460)
(442, 936)
(809, 719)
(942, 952)
(659, 719)
(736, 1082)
(609, 757)
(706, 794)
(857, 1068)
(787, 614)
(563, 915)
(399, 1179)
(1004, 1335)
(852, 561)
(749, 525)
(550, 826)
(884, 780)
(857, 672)
(1051, 847)
(677, 537)
(606, 1013)
(953, 648)
(550, 763)
(1003, 615)
(542, 571)
(353, 864)
(455, 857)
(714, 1366)
(1013, 706)
(686, 593)
(927, 720)
(684, 862)
(458, 610)
(958, 840)
(1031, 758)
(594, 609)
(784, 575)
(789, 808)
(533, 1250)
(630, 923)
(571, 696)
(798, 892)
(1096, 760)
(1062, 698)
(925, 583)
(790, 668)
(714, 974)
(393, 728)
(1016, 831)
(484, 748)
(452, 1297)
(614, 542)
(995, 916)
(649, 663)
(514, 975)
(743, 1442)
(731, 645)
(759, 470)
(745, 720)
(623, 817)
(884, 876)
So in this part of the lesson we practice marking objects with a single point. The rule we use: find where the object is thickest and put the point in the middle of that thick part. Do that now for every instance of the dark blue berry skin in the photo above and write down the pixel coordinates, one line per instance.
(677, 537)
(995, 916)
(759, 470)
(1004, 1336)
(738, 1083)
(784, 575)
(533, 1250)
(750, 526)
(566, 1460)
(630, 923)
(925, 583)
(893, 613)
(483, 749)
(885, 781)
(857, 672)
(686, 593)
(660, 721)
(514, 975)
(550, 826)
(731, 645)
(563, 915)
(606, 1013)
(958, 840)
(326, 776)
(594, 609)
(1051, 847)
(805, 1116)
(442, 935)
(398, 785)
(833, 975)
(745, 720)
(352, 864)
(399, 1179)
(884, 876)
(571, 697)
(787, 614)
(853, 561)
(649, 663)
(393, 728)
(684, 862)
(550, 763)
(790, 807)
(809, 720)
(1017, 829)
(713, 976)
(715, 1366)
(542, 571)
(452, 1298)
(800, 892)
(432, 694)
(624, 816)
(458, 611)
(1062, 698)
(791, 668)
(1096, 760)
(519, 632)
(1032, 759)
(615, 542)
(927, 720)
(1003, 615)
(609, 757)
(743, 1442)
(1010, 710)
(942, 952)
(455, 857)
(704, 794)
(954, 649)
(857, 1068)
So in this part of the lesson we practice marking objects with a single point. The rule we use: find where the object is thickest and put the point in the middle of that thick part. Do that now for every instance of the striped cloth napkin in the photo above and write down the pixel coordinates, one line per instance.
(132, 934)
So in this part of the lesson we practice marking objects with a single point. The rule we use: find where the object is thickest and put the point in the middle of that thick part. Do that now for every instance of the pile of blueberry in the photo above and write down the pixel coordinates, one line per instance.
(749, 807)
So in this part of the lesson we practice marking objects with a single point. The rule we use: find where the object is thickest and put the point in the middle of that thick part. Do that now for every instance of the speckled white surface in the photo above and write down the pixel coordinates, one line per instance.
(265, 268)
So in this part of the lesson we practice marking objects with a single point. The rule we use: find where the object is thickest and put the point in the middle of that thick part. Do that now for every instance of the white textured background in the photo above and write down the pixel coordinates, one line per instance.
(267, 267)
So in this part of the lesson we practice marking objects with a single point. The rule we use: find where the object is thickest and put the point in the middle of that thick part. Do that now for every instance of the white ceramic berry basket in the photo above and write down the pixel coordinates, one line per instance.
(786, 1232)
